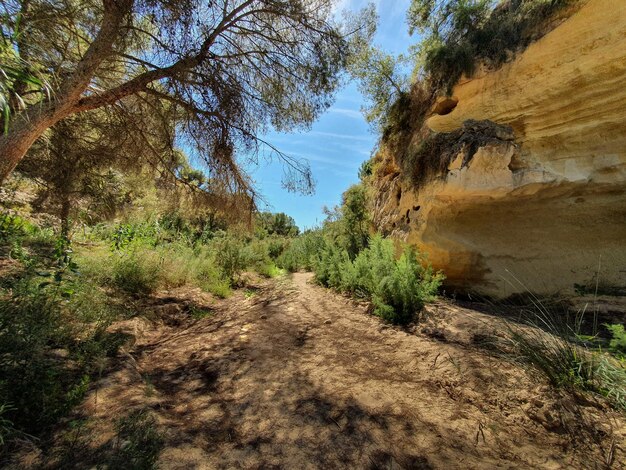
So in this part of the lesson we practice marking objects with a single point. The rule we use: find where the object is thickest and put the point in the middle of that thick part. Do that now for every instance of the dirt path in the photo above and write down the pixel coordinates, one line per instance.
(298, 377)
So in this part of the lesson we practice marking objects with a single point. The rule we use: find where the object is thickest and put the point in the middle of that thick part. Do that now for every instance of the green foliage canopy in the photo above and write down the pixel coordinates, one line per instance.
(231, 69)
(279, 223)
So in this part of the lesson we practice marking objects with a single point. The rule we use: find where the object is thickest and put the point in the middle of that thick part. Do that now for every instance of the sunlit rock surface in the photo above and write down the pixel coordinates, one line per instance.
(547, 211)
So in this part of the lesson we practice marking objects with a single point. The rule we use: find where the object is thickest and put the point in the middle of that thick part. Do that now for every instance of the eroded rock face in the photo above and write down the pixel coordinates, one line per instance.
(548, 207)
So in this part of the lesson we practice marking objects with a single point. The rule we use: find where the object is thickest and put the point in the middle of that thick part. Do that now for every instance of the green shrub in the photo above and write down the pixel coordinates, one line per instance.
(370, 267)
(17, 233)
(197, 267)
(618, 338)
(302, 251)
(331, 265)
(255, 254)
(276, 246)
(397, 288)
(220, 288)
(138, 269)
(269, 270)
(31, 382)
(136, 273)
(230, 256)
(52, 339)
(280, 224)
(12, 227)
(406, 288)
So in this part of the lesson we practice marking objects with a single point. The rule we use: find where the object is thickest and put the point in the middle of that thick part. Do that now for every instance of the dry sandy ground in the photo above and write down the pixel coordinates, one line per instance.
(297, 377)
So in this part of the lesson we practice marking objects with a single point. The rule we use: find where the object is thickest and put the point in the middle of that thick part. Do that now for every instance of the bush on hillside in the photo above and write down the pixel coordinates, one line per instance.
(52, 340)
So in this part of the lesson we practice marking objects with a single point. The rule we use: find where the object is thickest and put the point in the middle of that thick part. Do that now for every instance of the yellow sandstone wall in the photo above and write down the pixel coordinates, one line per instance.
(549, 207)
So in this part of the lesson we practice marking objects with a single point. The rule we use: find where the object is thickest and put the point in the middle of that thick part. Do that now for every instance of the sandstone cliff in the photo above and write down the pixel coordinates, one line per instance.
(545, 199)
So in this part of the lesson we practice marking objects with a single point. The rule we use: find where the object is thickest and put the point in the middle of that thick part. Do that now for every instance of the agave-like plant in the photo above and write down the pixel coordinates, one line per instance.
(17, 74)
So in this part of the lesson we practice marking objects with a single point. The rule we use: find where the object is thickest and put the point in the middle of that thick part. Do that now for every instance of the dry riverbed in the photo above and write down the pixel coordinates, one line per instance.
(289, 375)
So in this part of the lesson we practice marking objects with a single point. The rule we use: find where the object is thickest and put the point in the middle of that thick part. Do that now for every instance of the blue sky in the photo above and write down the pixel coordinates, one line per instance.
(339, 141)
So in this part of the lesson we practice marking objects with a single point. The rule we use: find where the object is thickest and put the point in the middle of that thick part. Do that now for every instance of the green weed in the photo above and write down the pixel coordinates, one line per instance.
(138, 443)
(199, 313)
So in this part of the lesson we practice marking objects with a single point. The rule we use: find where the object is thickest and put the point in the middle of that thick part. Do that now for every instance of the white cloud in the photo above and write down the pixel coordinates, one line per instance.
(360, 138)
(336, 162)
(351, 113)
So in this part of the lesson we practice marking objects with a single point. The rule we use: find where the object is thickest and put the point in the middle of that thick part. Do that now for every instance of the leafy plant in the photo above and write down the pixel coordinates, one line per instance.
(618, 338)
(17, 78)
(11, 226)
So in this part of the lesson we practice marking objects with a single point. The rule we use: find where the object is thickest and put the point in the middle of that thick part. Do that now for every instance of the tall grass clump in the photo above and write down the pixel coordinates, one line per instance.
(181, 264)
(141, 265)
(136, 273)
(398, 288)
(549, 342)
(138, 443)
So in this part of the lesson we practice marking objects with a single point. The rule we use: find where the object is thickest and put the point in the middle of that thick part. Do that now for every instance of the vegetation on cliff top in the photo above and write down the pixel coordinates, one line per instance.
(456, 36)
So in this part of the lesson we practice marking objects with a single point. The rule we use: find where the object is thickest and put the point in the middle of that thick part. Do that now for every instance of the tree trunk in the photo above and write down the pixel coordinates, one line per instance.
(66, 206)
(29, 125)
(22, 134)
